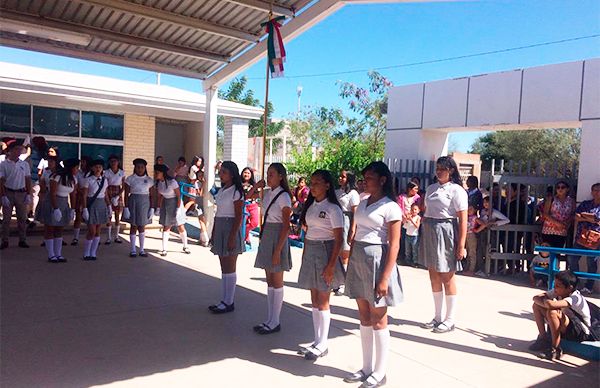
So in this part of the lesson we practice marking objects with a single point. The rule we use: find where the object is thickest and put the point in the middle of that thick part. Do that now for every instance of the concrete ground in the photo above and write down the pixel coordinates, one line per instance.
(144, 322)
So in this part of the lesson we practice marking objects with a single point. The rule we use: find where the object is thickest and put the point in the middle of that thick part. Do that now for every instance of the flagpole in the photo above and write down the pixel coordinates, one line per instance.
(265, 114)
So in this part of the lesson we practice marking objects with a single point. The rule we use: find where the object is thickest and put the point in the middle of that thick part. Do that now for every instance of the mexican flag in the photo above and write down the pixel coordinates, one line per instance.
(275, 49)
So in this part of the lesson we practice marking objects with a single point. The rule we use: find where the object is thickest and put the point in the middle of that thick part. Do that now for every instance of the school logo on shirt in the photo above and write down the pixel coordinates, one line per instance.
(322, 214)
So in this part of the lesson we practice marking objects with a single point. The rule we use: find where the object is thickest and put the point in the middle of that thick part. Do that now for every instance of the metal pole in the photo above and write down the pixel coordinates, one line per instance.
(266, 113)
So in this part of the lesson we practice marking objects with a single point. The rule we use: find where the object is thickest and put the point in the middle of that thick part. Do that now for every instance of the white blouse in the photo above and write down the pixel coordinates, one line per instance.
(445, 201)
(92, 183)
(348, 200)
(139, 184)
(275, 211)
(167, 188)
(62, 190)
(225, 200)
(114, 178)
(321, 218)
(372, 220)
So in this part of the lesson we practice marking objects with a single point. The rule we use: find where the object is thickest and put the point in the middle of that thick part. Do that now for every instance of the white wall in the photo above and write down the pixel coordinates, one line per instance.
(169, 142)
(589, 161)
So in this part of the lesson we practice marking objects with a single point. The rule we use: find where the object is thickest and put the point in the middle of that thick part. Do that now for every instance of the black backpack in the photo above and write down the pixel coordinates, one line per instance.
(595, 320)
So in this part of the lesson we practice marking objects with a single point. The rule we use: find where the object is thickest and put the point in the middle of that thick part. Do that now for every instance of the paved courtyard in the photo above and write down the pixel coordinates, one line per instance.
(144, 322)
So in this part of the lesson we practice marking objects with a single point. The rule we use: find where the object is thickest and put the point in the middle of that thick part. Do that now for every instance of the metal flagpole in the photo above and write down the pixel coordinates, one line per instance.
(265, 114)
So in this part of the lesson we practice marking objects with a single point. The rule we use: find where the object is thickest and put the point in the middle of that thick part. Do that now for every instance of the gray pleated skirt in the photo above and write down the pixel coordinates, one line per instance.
(138, 205)
(266, 247)
(43, 209)
(98, 212)
(437, 241)
(168, 212)
(347, 221)
(46, 211)
(366, 265)
(220, 237)
(315, 257)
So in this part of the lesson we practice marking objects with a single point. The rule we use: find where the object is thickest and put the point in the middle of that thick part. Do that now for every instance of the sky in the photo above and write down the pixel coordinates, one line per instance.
(360, 37)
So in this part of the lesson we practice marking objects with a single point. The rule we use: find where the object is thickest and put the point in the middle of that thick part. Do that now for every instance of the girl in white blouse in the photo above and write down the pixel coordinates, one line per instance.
(115, 177)
(81, 174)
(137, 210)
(96, 207)
(349, 199)
(442, 239)
(274, 250)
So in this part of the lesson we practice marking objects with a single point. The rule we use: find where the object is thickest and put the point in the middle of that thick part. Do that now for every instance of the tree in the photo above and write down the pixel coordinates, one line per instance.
(544, 147)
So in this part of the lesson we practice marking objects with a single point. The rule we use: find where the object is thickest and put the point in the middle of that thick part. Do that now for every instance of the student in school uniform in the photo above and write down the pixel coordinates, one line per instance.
(349, 199)
(373, 278)
(443, 240)
(273, 249)
(96, 207)
(196, 178)
(170, 209)
(115, 176)
(15, 191)
(84, 169)
(227, 239)
(137, 210)
(43, 208)
(320, 272)
(57, 212)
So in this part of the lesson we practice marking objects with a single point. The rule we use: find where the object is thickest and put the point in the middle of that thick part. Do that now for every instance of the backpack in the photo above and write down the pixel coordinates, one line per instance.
(595, 320)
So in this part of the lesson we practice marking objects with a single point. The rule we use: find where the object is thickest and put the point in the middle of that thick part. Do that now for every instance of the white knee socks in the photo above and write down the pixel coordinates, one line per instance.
(50, 247)
(76, 233)
(58, 246)
(183, 236)
(324, 321)
(204, 236)
(438, 301)
(450, 308)
(269, 304)
(277, 304)
(117, 228)
(132, 238)
(87, 248)
(316, 324)
(95, 243)
(165, 240)
(230, 280)
(366, 339)
(109, 231)
(142, 240)
(382, 345)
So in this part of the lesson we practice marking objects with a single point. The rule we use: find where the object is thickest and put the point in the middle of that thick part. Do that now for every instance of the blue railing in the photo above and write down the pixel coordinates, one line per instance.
(553, 262)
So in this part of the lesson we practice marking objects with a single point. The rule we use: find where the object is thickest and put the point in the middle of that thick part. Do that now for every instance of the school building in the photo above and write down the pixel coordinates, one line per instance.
(99, 116)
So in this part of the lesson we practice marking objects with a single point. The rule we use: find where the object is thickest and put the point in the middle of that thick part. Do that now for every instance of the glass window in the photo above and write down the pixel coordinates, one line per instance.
(57, 122)
(99, 151)
(102, 125)
(65, 150)
(15, 118)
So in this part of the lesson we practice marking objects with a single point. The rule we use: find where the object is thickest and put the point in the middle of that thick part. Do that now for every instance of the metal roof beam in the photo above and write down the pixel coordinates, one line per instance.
(113, 36)
(266, 6)
(33, 45)
(185, 21)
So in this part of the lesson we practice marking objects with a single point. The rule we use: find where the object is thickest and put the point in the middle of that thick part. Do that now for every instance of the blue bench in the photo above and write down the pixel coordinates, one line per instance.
(589, 350)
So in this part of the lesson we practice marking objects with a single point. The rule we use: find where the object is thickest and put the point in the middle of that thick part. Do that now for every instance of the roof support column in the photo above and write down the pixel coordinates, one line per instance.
(588, 158)
(209, 151)
(235, 141)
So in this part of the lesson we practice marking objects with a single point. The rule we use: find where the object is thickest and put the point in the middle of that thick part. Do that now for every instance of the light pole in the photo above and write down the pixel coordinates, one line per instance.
(299, 93)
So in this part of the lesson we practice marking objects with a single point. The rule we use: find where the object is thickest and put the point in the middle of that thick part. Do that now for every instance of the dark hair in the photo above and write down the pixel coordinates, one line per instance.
(382, 170)
(114, 157)
(331, 196)
(165, 171)
(252, 181)
(280, 168)
(64, 172)
(158, 157)
(55, 148)
(235, 176)
(595, 185)
(410, 186)
(141, 161)
(473, 179)
(564, 182)
(449, 163)
(350, 181)
(416, 179)
(566, 278)
(181, 159)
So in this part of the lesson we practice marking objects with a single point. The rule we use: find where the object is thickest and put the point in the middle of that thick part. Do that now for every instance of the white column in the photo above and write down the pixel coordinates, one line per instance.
(415, 144)
(209, 150)
(235, 141)
(589, 173)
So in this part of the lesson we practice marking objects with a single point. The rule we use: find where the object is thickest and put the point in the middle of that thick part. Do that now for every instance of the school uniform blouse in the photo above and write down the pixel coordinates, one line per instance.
(225, 199)
(139, 184)
(348, 200)
(14, 173)
(114, 178)
(322, 218)
(62, 190)
(46, 176)
(92, 183)
(445, 201)
(167, 188)
(372, 220)
(283, 201)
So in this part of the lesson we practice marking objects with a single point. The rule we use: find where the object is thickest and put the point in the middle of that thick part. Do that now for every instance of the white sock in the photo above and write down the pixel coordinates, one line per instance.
(366, 339)
(118, 227)
(109, 231)
(87, 248)
(165, 240)
(277, 305)
(142, 239)
(183, 237)
(230, 283)
(50, 247)
(450, 308)
(269, 304)
(132, 238)
(95, 243)
(204, 237)
(58, 246)
(325, 319)
(316, 324)
(345, 266)
(382, 346)
(76, 233)
(438, 301)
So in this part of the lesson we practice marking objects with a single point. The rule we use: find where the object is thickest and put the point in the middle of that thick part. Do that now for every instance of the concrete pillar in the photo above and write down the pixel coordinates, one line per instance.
(209, 150)
(138, 140)
(589, 173)
(235, 141)
(415, 144)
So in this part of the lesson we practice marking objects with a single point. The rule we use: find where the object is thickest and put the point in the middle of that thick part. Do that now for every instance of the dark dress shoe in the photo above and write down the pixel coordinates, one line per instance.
(74, 242)
(143, 254)
(314, 353)
(216, 309)
(133, 254)
(357, 377)
(370, 382)
(61, 259)
(23, 244)
(267, 330)
(258, 327)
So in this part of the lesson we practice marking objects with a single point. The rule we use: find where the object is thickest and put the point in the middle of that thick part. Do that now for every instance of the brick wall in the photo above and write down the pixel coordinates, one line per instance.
(139, 140)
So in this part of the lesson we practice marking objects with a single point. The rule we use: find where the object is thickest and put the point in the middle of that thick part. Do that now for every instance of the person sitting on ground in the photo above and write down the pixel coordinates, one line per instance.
(539, 260)
(567, 314)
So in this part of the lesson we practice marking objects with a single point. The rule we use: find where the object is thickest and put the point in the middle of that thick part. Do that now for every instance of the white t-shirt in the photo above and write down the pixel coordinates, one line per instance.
(225, 199)
(411, 229)
(445, 201)
(364, 195)
(114, 178)
(283, 201)
(62, 190)
(167, 188)
(578, 303)
(348, 200)
(372, 221)
(321, 218)
(139, 184)
(92, 183)
(14, 173)
(497, 217)
(43, 164)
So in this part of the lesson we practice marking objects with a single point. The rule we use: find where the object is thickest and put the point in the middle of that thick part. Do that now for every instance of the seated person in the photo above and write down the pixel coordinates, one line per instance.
(567, 314)
(540, 260)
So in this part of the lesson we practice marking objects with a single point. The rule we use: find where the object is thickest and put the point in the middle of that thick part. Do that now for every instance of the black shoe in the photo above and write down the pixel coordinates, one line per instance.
(23, 244)
(86, 258)
(371, 382)
(542, 342)
(64, 243)
(74, 242)
(258, 327)
(61, 259)
(4, 245)
(551, 354)
(267, 330)
(118, 240)
(314, 354)
(357, 377)
(186, 250)
(133, 254)
(143, 254)
(303, 350)
(163, 253)
(53, 259)
(43, 244)
(216, 309)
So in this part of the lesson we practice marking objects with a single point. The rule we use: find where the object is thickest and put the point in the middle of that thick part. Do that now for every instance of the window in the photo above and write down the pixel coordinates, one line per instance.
(102, 125)
(99, 151)
(65, 150)
(57, 122)
(15, 118)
